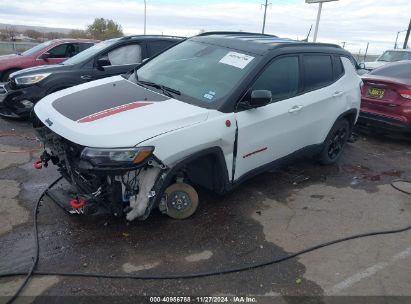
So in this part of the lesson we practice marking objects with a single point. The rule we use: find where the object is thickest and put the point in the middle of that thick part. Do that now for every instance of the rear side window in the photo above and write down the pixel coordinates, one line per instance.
(156, 47)
(128, 54)
(338, 68)
(318, 71)
(83, 46)
(281, 77)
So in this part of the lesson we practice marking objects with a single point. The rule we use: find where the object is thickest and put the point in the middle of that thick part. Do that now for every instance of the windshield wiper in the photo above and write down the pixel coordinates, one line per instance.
(166, 90)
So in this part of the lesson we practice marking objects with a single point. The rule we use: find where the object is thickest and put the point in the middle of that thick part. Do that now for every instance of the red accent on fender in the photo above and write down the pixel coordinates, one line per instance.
(38, 164)
(255, 152)
(112, 111)
(228, 123)
(77, 204)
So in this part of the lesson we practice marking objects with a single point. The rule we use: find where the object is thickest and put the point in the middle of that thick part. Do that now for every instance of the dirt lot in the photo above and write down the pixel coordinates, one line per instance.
(269, 216)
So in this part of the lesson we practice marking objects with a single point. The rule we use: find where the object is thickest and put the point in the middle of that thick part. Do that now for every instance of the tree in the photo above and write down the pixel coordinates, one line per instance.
(78, 34)
(103, 29)
(33, 34)
(11, 33)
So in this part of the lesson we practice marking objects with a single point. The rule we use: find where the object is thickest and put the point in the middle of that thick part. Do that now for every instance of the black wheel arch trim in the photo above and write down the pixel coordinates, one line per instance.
(212, 151)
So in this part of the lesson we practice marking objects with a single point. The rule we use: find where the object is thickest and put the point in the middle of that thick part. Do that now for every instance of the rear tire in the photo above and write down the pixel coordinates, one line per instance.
(182, 201)
(335, 143)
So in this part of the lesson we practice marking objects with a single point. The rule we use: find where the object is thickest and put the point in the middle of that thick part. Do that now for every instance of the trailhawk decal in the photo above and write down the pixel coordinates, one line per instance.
(101, 100)
(112, 111)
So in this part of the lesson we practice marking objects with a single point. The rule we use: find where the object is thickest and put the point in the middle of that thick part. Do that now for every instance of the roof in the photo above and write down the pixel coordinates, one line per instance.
(75, 39)
(399, 50)
(255, 42)
(152, 37)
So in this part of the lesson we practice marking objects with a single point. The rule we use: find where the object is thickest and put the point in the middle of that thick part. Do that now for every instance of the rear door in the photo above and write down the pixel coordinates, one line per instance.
(119, 60)
(324, 95)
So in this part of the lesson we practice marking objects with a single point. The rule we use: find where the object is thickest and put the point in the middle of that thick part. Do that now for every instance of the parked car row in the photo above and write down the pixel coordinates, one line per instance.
(104, 59)
(209, 111)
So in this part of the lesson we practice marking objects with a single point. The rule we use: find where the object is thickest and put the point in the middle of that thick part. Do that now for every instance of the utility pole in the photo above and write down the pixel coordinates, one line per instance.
(265, 14)
(343, 44)
(408, 36)
(145, 16)
(366, 51)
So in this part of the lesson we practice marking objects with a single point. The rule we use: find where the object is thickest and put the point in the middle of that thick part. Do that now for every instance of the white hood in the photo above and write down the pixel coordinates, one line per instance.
(114, 112)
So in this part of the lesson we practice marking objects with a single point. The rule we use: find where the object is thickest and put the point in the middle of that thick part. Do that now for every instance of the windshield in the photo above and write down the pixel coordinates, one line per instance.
(90, 52)
(203, 74)
(37, 48)
(391, 56)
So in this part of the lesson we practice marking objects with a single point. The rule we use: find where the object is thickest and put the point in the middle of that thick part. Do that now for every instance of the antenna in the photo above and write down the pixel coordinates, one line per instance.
(308, 35)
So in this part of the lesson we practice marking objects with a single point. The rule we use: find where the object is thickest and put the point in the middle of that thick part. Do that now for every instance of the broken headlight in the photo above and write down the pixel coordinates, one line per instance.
(116, 157)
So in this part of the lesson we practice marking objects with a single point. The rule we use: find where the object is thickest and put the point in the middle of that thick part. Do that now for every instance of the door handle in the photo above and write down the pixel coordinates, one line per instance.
(86, 77)
(295, 109)
(338, 93)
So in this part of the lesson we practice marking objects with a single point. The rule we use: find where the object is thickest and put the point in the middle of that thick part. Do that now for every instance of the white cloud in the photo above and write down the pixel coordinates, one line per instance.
(355, 22)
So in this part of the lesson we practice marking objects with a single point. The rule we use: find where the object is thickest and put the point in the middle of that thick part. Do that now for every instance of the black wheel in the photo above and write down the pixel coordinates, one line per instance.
(335, 142)
(6, 75)
(182, 201)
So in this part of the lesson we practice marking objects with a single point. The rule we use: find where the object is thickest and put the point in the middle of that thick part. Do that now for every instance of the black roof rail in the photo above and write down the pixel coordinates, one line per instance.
(156, 36)
(234, 33)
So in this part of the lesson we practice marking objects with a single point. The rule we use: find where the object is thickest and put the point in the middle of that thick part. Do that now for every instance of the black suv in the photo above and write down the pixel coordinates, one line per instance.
(107, 58)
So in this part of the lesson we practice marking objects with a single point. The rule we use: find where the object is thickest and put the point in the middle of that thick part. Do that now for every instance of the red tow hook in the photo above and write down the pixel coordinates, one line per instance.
(38, 164)
(78, 204)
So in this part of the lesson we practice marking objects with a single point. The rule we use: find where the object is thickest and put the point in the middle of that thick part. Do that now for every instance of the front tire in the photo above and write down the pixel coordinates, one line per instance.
(182, 201)
(335, 143)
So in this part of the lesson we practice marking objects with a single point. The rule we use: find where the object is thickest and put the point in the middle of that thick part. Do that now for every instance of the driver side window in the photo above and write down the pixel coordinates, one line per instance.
(281, 77)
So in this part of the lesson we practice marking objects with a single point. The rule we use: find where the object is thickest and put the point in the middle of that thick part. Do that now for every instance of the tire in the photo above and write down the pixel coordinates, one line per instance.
(335, 142)
(182, 201)
(5, 76)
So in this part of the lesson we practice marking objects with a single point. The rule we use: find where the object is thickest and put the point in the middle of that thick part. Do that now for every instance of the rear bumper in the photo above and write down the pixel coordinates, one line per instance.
(382, 122)
(16, 103)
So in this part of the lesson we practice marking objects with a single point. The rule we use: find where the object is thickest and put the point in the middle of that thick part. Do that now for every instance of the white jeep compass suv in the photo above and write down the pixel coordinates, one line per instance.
(212, 111)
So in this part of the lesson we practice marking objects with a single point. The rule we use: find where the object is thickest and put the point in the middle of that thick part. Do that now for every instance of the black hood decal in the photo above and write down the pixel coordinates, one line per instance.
(100, 98)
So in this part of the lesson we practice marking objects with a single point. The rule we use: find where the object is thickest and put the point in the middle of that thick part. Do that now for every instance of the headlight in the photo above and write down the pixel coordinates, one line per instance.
(31, 79)
(116, 157)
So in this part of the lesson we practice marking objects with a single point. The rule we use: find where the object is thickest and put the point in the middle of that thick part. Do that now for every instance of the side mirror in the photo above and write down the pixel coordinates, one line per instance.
(102, 62)
(361, 65)
(45, 56)
(260, 98)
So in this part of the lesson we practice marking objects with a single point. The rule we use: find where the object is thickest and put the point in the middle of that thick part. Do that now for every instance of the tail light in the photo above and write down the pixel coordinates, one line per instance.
(405, 93)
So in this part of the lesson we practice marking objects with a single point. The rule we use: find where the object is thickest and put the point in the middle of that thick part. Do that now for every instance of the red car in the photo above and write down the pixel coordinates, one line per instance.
(386, 98)
(49, 52)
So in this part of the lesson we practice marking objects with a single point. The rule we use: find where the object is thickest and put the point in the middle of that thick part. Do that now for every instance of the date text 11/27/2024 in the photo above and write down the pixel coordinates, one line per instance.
(216, 299)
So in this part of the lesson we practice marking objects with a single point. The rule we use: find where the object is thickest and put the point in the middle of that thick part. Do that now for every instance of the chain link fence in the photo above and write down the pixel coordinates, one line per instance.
(12, 47)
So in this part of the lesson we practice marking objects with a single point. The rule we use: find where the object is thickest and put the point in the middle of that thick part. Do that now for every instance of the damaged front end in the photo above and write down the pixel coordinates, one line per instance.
(123, 181)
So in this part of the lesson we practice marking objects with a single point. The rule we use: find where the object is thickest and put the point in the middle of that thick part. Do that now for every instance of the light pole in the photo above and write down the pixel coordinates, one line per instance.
(320, 7)
(396, 39)
(145, 16)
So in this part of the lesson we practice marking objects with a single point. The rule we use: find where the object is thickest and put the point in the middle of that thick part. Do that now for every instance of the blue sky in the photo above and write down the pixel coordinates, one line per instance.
(353, 21)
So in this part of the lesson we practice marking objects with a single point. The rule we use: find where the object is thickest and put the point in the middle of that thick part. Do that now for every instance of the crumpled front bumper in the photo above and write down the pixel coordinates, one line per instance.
(131, 192)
